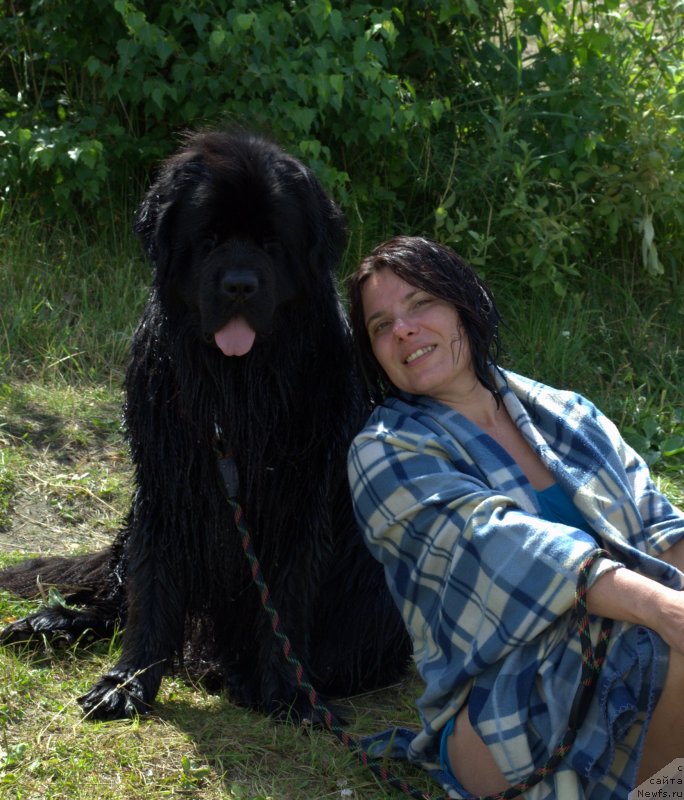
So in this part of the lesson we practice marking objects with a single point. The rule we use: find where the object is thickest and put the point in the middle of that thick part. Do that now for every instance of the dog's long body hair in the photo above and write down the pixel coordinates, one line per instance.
(242, 237)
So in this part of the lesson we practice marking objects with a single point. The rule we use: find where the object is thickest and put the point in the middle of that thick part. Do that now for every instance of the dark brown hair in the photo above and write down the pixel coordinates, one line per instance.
(441, 272)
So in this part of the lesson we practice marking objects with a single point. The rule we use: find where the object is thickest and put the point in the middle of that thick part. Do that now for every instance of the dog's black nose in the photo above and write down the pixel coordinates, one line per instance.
(239, 284)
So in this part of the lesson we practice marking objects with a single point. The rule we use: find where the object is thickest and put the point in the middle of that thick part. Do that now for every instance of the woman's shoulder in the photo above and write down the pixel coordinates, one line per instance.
(536, 393)
(564, 410)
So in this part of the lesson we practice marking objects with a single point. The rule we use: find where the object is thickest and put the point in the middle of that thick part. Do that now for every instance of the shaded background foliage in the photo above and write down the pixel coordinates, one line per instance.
(546, 135)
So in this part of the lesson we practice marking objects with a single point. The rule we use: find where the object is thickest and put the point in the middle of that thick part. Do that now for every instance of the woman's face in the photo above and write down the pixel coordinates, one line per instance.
(417, 338)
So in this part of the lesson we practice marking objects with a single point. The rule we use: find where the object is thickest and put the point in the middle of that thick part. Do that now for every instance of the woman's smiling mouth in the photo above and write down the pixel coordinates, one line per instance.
(418, 353)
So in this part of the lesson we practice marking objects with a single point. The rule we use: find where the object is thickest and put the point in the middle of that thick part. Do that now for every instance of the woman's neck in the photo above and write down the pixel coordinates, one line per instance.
(477, 404)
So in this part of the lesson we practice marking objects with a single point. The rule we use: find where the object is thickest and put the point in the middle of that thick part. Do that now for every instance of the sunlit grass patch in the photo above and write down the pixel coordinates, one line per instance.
(194, 744)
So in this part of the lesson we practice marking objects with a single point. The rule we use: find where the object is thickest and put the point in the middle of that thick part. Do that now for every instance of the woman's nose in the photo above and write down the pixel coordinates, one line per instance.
(403, 328)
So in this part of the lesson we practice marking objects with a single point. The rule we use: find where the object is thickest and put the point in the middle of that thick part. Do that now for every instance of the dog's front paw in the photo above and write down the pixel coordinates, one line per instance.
(117, 695)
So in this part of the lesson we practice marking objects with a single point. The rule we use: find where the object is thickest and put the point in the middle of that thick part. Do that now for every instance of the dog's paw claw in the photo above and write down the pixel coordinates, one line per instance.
(115, 696)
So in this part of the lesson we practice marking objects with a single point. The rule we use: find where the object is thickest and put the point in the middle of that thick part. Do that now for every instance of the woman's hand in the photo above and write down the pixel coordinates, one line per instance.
(630, 597)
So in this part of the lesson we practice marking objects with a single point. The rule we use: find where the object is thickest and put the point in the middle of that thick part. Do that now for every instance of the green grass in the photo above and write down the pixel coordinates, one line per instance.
(70, 297)
(69, 300)
(195, 745)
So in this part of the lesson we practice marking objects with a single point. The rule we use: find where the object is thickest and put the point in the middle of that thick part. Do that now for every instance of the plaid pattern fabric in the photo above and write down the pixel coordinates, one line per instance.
(486, 586)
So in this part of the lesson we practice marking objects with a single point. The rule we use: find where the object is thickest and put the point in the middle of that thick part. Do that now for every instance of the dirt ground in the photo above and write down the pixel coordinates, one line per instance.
(38, 529)
(65, 478)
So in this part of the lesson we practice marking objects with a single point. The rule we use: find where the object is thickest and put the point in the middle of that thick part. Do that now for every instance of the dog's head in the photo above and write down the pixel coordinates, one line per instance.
(236, 229)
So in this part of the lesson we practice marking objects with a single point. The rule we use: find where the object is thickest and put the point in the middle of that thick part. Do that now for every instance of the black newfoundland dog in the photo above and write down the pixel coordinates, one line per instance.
(243, 351)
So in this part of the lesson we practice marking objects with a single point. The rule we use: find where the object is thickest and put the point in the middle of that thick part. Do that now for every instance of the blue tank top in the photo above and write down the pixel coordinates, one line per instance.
(556, 506)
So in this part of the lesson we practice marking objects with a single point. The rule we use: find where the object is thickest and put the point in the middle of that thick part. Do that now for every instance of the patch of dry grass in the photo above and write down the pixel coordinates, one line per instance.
(65, 477)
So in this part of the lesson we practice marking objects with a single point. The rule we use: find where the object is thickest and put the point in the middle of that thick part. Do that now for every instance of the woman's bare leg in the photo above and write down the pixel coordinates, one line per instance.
(473, 765)
(665, 736)
(470, 759)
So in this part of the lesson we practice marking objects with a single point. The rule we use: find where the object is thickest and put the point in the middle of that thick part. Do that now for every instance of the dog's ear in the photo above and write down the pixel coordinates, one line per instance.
(325, 227)
(156, 217)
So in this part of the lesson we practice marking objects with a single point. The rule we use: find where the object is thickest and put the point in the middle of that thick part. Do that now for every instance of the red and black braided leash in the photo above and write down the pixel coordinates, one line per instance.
(592, 660)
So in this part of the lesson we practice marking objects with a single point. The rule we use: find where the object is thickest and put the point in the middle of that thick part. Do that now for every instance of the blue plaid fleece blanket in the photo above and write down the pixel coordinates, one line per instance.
(486, 586)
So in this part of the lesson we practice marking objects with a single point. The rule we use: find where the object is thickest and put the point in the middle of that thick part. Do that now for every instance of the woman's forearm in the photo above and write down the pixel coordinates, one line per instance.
(624, 595)
(630, 597)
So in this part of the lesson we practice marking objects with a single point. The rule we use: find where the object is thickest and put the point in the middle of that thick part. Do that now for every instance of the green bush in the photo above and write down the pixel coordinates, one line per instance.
(101, 93)
(535, 136)
(567, 147)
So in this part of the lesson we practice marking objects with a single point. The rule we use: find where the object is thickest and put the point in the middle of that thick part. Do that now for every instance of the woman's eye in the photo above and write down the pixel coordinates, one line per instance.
(379, 327)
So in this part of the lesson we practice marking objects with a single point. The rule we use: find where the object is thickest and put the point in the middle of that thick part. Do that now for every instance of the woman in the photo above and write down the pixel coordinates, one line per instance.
(482, 492)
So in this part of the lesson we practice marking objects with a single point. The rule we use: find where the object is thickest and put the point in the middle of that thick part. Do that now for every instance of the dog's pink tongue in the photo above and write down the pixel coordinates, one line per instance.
(236, 337)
